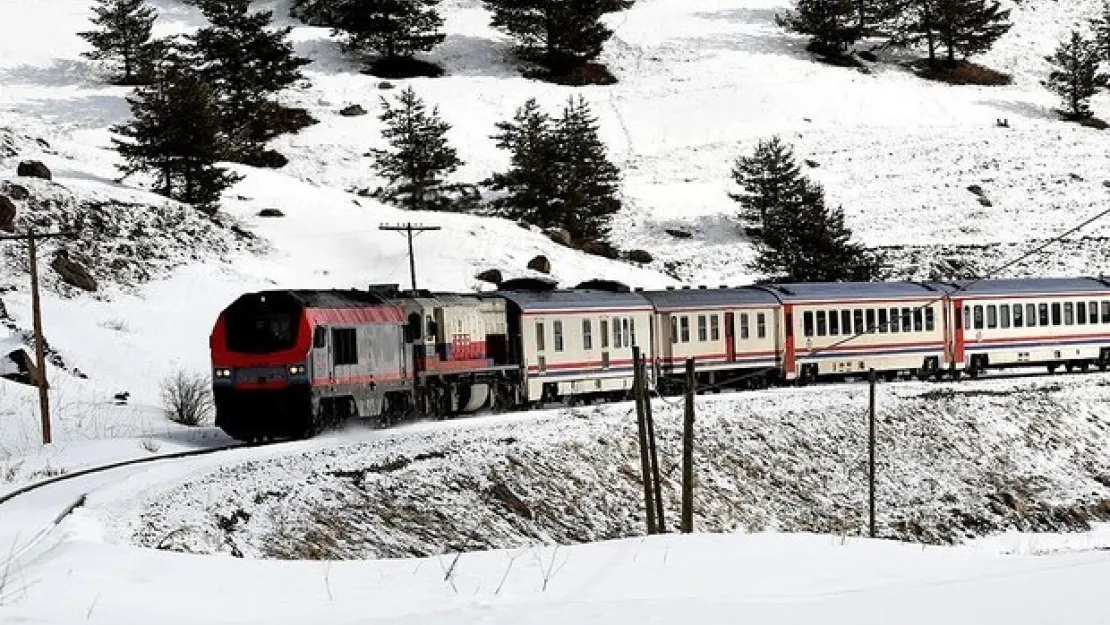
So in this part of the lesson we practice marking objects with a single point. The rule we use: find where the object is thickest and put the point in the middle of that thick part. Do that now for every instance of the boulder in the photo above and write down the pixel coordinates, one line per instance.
(984, 201)
(600, 248)
(270, 212)
(976, 189)
(540, 264)
(493, 276)
(72, 272)
(353, 110)
(34, 169)
(812, 163)
(16, 192)
(679, 234)
(385, 84)
(7, 214)
(640, 256)
(560, 236)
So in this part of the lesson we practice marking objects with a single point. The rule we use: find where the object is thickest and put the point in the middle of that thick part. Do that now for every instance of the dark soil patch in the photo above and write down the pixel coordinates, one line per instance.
(961, 73)
(574, 75)
(397, 67)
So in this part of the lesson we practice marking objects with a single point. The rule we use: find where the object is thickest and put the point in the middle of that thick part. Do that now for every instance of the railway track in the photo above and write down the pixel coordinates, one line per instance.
(23, 527)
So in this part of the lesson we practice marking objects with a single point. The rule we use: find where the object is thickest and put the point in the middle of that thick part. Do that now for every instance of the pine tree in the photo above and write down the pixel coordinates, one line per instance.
(805, 241)
(175, 134)
(247, 62)
(589, 184)
(419, 157)
(124, 36)
(530, 184)
(556, 33)
(394, 30)
(1101, 27)
(968, 27)
(832, 25)
(769, 178)
(1075, 76)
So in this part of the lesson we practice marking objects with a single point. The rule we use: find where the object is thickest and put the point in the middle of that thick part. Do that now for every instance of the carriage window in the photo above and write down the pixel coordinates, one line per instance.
(616, 332)
(1030, 315)
(1017, 316)
(429, 326)
(1106, 312)
(703, 329)
(761, 325)
(967, 317)
(1042, 314)
(684, 323)
(1056, 316)
(930, 322)
(587, 335)
(834, 323)
(743, 325)
(870, 320)
(884, 320)
(918, 320)
(807, 323)
(1092, 311)
(539, 336)
(627, 333)
(344, 346)
(557, 329)
(845, 322)
(857, 319)
(1069, 314)
(1004, 316)
(603, 330)
(895, 321)
(822, 324)
(632, 330)
(978, 317)
(992, 317)
(1081, 313)
(674, 329)
(714, 328)
(907, 320)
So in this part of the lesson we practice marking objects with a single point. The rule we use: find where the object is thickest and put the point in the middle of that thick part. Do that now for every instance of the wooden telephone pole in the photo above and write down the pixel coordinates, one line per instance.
(36, 319)
(410, 229)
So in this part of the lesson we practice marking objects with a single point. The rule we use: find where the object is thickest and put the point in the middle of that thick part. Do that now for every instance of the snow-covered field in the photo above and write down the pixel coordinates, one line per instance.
(700, 82)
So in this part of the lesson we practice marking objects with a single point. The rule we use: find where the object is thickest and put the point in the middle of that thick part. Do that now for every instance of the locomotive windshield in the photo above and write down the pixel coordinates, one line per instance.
(261, 323)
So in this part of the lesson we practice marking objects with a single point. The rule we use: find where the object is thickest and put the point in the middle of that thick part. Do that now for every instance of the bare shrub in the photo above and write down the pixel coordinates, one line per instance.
(187, 398)
(116, 325)
(150, 445)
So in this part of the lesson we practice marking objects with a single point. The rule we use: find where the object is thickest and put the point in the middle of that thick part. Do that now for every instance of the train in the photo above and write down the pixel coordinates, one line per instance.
(290, 363)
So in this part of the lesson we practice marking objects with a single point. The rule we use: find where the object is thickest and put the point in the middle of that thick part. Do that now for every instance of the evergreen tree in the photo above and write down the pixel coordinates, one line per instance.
(806, 241)
(968, 27)
(175, 134)
(530, 184)
(123, 36)
(394, 30)
(832, 25)
(1101, 28)
(589, 184)
(769, 179)
(419, 157)
(246, 62)
(1075, 76)
(556, 33)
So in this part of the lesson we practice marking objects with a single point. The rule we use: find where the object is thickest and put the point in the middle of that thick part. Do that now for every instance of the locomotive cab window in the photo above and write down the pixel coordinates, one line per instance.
(320, 337)
(344, 346)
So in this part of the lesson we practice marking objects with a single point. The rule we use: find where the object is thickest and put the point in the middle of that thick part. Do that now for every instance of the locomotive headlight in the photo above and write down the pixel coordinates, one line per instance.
(223, 373)
(296, 369)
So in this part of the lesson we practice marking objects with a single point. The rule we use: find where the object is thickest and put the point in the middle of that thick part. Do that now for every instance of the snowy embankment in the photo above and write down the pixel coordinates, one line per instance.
(956, 462)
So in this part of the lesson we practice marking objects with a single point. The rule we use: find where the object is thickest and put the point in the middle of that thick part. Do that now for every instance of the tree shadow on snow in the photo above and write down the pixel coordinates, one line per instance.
(466, 55)
(760, 34)
(89, 111)
(61, 73)
(1023, 109)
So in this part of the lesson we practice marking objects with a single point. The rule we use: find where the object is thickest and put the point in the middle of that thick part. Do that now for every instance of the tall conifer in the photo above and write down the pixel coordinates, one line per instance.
(1075, 76)
(124, 35)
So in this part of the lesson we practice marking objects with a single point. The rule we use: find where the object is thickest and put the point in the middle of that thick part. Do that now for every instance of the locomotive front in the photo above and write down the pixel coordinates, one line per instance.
(261, 367)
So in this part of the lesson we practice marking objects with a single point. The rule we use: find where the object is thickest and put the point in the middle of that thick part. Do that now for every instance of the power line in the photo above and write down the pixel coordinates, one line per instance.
(411, 230)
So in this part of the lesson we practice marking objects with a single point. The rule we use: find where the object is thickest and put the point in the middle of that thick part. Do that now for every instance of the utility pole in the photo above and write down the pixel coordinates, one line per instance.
(410, 229)
(36, 320)
(645, 399)
(641, 427)
(871, 453)
(688, 451)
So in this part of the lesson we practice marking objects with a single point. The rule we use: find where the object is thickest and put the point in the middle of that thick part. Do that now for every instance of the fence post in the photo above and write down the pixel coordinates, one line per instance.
(641, 426)
(645, 398)
(688, 452)
(871, 454)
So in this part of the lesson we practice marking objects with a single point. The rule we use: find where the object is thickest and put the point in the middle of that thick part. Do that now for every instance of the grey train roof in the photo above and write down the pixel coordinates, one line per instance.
(819, 291)
(573, 299)
(335, 298)
(698, 298)
(1028, 286)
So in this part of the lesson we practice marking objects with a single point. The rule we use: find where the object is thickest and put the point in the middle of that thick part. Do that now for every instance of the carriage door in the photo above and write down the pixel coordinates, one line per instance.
(788, 366)
(323, 367)
(730, 336)
(958, 321)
